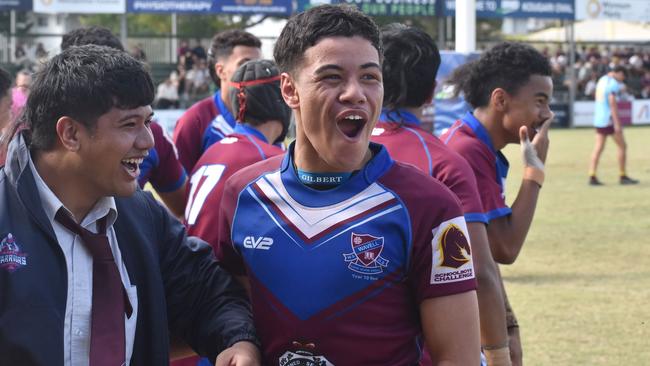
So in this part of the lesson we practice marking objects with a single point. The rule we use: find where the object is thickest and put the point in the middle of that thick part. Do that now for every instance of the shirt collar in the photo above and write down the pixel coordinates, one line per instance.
(51, 203)
(223, 110)
(245, 129)
(479, 130)
(399, 115)
(370, 173)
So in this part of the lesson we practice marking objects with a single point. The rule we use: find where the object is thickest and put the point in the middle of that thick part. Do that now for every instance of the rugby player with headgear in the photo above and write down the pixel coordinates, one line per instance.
(351, 258)
(262, 119)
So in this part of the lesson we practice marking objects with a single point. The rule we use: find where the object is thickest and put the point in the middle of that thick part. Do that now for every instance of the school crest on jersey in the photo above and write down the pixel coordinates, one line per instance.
(11, 258)
(366, 254)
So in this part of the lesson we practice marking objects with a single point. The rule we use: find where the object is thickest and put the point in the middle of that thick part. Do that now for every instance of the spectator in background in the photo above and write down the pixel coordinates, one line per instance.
(198, 50)
(182, 48)
(645, 84)
(590, 86)
(20, 92)
(167, 92)
(197, 80)
(5, 113)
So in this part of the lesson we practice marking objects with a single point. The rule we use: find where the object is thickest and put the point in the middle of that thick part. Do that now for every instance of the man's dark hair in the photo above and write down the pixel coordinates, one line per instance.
(91, 35)
(508, 65)
(5, 82)
(305, 29)
(620, 68)
(83, 83)
(223, 44)
(411, 61)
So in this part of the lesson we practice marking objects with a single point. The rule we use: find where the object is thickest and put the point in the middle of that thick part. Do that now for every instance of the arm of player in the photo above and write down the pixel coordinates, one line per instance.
(508, 233)
(175, 200)
(611, 99)
(491, 304)
(451, 329)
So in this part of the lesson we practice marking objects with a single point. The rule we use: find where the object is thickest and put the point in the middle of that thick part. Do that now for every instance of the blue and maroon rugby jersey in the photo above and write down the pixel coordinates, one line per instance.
(236, 151)
(471, 140)
(337, 276)
(161, 167)
(399, 131)
(205, 123)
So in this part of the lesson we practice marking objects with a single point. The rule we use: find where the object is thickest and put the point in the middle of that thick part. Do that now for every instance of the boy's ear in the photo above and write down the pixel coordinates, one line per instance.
(499, 99)
(68, 131)
(289, 91)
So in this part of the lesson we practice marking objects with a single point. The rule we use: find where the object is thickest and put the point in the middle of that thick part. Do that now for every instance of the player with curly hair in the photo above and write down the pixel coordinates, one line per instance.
(510, 89)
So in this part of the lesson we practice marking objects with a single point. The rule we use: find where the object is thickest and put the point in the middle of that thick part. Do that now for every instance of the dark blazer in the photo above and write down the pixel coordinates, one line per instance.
(180, 286)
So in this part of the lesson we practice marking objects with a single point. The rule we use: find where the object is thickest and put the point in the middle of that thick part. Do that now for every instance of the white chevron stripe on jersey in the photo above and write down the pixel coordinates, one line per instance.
(222, 125)
(312, 221)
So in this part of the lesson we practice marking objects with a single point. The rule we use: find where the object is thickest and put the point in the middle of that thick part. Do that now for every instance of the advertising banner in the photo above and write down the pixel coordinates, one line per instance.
(381, 7)
(80, 6)
(554, 9)
(16, 5)
(630, 10)
(271, 7)
(635, 112)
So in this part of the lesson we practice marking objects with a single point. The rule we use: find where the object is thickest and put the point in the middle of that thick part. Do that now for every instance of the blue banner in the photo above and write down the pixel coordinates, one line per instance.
(270, 7)
(555, 9)
(16, 5)
(382, 7)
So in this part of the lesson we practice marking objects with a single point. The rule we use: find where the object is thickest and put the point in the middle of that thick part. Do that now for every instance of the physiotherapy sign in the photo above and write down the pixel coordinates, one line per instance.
(271, 7)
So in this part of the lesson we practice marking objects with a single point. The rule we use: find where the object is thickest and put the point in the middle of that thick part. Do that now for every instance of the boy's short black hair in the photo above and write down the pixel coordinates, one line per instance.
(305, 29)
(411, 62)
(223, 44)
(509, 65)
(91, 35)
(83, 83)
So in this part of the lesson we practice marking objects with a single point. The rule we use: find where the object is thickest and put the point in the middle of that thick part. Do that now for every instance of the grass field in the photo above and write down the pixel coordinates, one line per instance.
(581, 285)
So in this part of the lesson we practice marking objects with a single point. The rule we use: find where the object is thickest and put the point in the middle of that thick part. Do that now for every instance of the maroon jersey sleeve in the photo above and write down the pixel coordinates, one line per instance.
(169, 175)
(188, 134)
(440, 261)
(457, 174)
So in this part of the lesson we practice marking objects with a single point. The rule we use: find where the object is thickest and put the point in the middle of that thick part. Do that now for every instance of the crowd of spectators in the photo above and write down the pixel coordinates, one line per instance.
(593, 62)
(190, 81)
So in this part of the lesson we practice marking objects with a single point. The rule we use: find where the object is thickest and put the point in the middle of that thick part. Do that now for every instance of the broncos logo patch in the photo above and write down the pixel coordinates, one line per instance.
(454, 247)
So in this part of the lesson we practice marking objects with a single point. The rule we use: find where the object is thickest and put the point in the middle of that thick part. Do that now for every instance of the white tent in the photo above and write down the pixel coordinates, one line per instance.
(597, 31)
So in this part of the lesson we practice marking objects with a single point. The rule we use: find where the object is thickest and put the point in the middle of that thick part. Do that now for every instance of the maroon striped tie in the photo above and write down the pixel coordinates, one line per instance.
(110, 303)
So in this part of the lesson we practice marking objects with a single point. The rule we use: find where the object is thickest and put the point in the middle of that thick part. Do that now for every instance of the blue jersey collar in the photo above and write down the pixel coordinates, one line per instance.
(479, 130)
(399, 115)
(373, 170)
(225, 112)
(245, 129)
